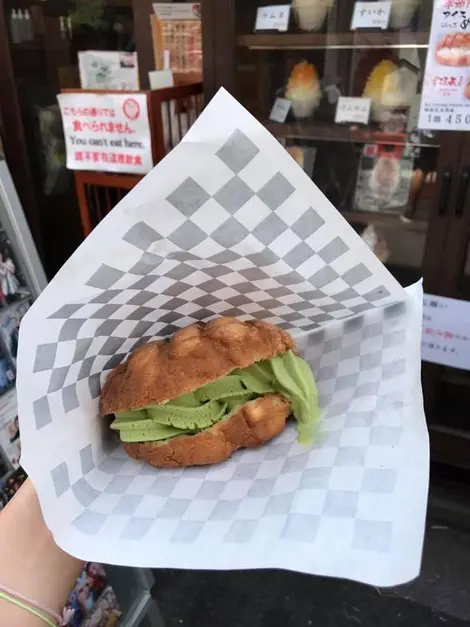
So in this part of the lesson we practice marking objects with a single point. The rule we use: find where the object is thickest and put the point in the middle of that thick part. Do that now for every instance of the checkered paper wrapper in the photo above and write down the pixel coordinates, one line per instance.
(228, 224)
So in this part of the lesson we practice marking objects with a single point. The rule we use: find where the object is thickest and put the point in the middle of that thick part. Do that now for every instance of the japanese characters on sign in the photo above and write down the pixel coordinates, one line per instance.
(446, 331)
(355, 110)
(371, 15)
(280, 110)
(178, 11)
(445, 103)
(273, 17)
(107, 132)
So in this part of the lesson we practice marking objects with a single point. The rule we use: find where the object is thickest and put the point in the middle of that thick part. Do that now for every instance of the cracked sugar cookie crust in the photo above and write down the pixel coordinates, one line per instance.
(253, 424)
(163, 370)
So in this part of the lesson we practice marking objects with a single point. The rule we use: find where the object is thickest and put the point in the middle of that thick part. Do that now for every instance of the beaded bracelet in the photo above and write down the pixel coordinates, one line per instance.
(35, 608)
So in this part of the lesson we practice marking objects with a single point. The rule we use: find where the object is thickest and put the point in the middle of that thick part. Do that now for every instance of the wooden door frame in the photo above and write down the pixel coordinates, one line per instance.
(142, 10)
(448, 445)
(13, 134)
(459, 232)
(437, 263)
(219, 39)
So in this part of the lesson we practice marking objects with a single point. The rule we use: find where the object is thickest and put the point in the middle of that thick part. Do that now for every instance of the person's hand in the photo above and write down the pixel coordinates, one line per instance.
(30, 561)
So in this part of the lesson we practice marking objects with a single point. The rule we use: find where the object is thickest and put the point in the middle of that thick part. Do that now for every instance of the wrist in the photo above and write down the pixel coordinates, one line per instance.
(30, 561)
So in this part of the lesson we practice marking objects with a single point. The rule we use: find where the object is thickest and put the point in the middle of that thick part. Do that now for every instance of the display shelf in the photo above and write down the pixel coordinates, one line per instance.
(332, 41)
(343, 133)
(388, 220)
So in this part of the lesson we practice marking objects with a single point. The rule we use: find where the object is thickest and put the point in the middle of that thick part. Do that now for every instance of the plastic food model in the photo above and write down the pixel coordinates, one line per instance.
(402, 12)
(388, 88)
(310, 14)
(303, 90)
(298, 154)
(385, 177)
(454, 50)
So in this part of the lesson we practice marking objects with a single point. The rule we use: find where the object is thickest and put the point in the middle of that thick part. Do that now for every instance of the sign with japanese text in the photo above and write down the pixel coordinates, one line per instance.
(371, 15)
(355, 110)
(445, 102)
(446, 331)
(103, 69)
(280, 110)
(273, 17)
(107, 132)
(177, 11)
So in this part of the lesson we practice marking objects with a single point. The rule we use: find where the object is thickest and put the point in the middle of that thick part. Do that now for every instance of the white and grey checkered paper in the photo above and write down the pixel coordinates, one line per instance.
(228, 224)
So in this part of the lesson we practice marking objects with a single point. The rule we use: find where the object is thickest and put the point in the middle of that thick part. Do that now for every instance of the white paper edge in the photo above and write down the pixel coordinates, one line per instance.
(292, 556)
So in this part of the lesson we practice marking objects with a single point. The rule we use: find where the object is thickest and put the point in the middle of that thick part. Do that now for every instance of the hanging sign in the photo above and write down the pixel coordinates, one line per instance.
(446, 331)
(107, 132)
(371, 15)
(445, 102)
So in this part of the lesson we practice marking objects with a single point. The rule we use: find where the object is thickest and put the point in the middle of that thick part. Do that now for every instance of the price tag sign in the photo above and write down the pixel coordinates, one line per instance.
(371, 15)
(273, 18)
(280, 110)
(446, 331)
(355, 110)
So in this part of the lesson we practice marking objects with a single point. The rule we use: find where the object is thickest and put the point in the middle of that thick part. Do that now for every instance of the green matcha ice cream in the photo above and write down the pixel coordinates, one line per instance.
(285, 374)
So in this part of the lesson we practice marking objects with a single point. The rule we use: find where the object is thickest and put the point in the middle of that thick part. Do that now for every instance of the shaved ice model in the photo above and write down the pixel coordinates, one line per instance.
(303, 90)
(388, 88)
(311, 14)
(402, 12)
(385, 177)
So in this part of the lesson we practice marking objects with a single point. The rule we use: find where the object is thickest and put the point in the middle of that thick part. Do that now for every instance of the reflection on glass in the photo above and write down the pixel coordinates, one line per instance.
(465, 280)
(45, 39)
(354, 93)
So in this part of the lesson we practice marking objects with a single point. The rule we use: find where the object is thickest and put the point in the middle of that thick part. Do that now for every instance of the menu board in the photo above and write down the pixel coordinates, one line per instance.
(445, 103)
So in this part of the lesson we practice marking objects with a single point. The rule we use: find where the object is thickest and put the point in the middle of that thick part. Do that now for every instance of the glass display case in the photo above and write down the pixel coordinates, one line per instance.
(339, 84)
(39, 43)
(354, 94)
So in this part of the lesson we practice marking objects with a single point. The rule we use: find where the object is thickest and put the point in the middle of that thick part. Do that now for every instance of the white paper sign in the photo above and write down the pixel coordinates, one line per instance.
(355, 110)
(446, 331)
(177, 11)
(371, 15)
(445, 102)
(280, 110)
(274, 17)
(107, 132)
(229, 224)
(100, 69)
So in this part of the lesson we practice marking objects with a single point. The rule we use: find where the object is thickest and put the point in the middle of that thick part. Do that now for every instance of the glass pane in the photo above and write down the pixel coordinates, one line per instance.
(464, 291)
(45, 38)
(372, 163)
